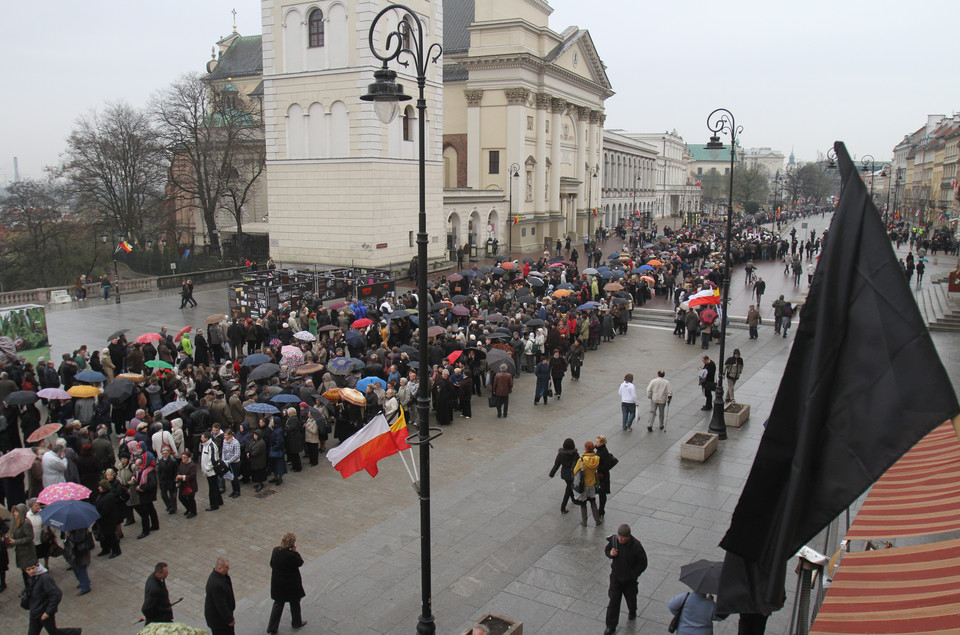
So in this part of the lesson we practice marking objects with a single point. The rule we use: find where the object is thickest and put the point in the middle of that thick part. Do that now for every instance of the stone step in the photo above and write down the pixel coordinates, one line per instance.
(665, 317)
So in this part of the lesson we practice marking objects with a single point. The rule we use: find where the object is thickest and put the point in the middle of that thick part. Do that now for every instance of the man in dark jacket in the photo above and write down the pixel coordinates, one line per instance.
(44, 596)
(106, 525)
(293, 439)
(156, 599)
(286, 584)
(219, 603)
(628, 561)
(502, 387)
(708, 378)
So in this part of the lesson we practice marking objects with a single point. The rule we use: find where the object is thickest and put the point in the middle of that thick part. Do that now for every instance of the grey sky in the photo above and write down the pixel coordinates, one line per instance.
(795, 75)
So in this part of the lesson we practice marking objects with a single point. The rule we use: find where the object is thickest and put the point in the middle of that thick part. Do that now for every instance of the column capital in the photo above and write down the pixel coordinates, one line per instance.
(583, 113)
(516, 96)
(557, 105)
(473, 97)
(543, 101)
(596, 116)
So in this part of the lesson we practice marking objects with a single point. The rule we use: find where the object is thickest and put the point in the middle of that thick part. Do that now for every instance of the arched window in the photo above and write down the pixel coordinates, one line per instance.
(316, 28)
(405, 29)
(408, 122)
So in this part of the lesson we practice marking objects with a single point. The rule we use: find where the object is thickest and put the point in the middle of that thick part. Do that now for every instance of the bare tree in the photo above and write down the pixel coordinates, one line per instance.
(240, 188)
(114, 164)
(750, 183)
(205, 130)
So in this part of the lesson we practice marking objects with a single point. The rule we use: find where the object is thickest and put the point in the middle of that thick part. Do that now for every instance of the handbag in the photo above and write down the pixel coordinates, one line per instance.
(492, 401)
(219, 467)
(675, 622)
(578, 484)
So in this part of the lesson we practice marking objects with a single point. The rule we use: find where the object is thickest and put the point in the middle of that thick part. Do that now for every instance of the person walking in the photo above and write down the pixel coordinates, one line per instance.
(567, 457)
(502, 387)
(753, 322)
(628, 401)
(732, 369)
(778, 314)
(558, 368)
(628, 562)
(759, 288)
(542, 373)
(43, 600)
(588, 463)
(156, 599)
(660, 394)
(219, 603)
(77, 548)
(286, 584)
(708, 381)
(786, 318)
(607, 463)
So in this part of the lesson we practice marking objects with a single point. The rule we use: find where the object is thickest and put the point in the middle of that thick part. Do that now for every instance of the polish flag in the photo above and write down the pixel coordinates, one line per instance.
(374, 441)
(707, 296)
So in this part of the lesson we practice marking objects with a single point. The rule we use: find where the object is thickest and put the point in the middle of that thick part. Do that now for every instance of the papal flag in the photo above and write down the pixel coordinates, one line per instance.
(124, 245)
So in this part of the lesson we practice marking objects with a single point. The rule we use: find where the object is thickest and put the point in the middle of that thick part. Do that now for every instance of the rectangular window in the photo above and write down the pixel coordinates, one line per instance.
(699, 171)
(494, 162)
(533, 231)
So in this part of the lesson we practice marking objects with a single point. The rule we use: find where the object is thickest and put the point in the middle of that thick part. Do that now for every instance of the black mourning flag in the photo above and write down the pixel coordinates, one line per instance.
(862, 385)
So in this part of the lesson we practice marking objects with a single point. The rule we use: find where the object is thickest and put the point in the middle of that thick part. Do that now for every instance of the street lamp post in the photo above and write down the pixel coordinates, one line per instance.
(407, 41)
(721, 121)
(592, 173)
(868, 162)
(116, 270)
(514, 174)
(636, 212)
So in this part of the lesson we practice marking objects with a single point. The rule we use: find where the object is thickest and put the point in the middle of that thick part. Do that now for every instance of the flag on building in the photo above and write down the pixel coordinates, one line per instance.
(698, 184)
(372, 442)
(862, 385)
(516, 219)
(124, 245)
(594, 211)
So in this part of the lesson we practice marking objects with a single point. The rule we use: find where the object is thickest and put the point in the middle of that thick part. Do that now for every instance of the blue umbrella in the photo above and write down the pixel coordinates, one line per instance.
(587, 306)
(613, 256)
(638, 270)
(645, 267)
(285, 398)
(255, 359)
(342, 365)
(354, 338)
(606, 275)
(567, 286)
(468, 273)
(366, 381)
(90, 376)
(617, 273)
(603, 268)
(261, 408)
(69, 515)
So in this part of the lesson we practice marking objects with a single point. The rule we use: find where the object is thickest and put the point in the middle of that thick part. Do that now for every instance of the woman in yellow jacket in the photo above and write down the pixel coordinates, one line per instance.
(589, 461)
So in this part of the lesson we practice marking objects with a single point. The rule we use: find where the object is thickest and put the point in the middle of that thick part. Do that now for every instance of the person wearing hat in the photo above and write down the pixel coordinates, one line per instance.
(732, 369)
(628, 561)
(108, 525)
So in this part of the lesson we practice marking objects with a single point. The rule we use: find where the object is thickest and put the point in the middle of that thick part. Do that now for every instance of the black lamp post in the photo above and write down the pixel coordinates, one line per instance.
(592, 174)
(513, 175)
(116, 271)
(636, 212)
(407, 42)
(721, 121)
(869, 163)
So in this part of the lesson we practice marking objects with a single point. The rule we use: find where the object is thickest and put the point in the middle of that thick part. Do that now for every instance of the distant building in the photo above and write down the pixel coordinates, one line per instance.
(629, 189)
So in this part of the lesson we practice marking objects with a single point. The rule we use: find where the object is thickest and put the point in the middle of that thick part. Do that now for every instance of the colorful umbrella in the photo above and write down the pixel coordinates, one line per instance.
(354, 396)
(305, 336)
(43, 432)
(63, 492)
(16, 461)
(292, 358)
(708, 316)
(648, 279)
(66, 515)
(159, 363)
(332, 395)
(148, 337)
(362, 322)
(613, 286)
(454, 277)
(562, 293)
(366, 381)
(83, 391)
(180, 333)
(309, 369)
(53, 393)
(654, 262)
(508, 265)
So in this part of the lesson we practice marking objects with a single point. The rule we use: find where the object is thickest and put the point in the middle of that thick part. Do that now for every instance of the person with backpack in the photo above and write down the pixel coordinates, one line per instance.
(732, 369)
(607, 462)
(567, 457)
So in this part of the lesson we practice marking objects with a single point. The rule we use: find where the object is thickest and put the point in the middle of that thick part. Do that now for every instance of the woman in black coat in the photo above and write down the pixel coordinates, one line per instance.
(607, 461)
(566, 458)
(285, 582)
(257, 456)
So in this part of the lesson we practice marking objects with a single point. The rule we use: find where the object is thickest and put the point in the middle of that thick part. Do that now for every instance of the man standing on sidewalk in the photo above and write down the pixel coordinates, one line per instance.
(502, 387)
(759, 287)
(628, 562)
(628, 401)
(156, 599)
(753, 322)
(708, 378)
(660, 394)
(732, 369)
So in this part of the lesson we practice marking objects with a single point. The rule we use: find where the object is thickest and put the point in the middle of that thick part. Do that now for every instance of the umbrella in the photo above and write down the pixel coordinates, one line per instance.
(613, 286)
(619, 301)
(454, 277)
(495, 318)
(43, 432)
(498, 336)
(16, 461)
(255, 360)
(159, 363)
(285, 398)
(613, 256)
(707, 316)
(341, 366)
(558, 264)
(263, 371)
(354, 396)
(173, 406)
(496, 357)
(460, 310)
(53, 393)
(522, 292)
(454, 356)
(338, 305)
(91, 376)
(459, 299)
(648, 279)
(332, 395)
(117, 334)
(528, 261)
(562, 293)
(366, 381)
(497, 271)
(606, 275)
(654, 262)
(411, 351)
(645, 268)
(261, 408)
(275, 342)
(535, 322)
(119, 389)
(181, 333)
(484, 269)
(135, 377)
(684, 305)
(309, 369)
(354, 338)
(399, 313)
(21, 398)
(638, 270)
(67, 515)
(292, 358)
(647, 245)
(588, 306)
(215, 318)
(590, 271)
(362, 322)
(703, 576)
(566, 285)
(83, 391)
(434, 331)
(535, 282)
(63, 492)
(149, 337)
(477, 352)
(305, 336)
(508, 265)
(328, 328)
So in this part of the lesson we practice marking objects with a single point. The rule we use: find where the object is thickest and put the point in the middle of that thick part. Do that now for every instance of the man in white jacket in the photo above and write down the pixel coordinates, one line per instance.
(628, 401)
(55, 464)
(660, 394)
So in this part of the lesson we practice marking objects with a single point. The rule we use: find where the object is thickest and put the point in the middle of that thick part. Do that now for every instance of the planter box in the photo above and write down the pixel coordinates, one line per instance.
(699, 447)
(499, 625)
(736, 419)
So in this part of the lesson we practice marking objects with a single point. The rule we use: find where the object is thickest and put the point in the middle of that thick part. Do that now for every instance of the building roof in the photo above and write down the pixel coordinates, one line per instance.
(457, 16)
(242, 59)
(700, 153)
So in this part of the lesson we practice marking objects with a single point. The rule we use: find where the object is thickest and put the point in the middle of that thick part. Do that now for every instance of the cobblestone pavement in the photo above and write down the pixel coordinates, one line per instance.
(499, 541)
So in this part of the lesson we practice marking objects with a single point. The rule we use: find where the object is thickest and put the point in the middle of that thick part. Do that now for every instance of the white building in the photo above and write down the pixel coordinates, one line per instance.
(675, 191)
(629, 178)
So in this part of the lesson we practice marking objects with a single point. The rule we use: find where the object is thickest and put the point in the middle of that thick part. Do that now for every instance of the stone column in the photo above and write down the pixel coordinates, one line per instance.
(541, 201)
(557, 106)
(474, 151)
(516, 144)
(583, 133)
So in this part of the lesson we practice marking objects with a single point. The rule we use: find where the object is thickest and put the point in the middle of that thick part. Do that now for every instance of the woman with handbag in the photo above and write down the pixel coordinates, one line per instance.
(187, 482)
(692, 614)
(588, 463)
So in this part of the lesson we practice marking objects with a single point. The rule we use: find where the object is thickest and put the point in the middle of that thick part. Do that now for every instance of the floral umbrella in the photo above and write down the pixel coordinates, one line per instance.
(63, 492)
(292, 357)
(305, 336)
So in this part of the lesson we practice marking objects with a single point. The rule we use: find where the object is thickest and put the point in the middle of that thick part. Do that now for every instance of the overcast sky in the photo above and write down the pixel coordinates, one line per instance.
(796, 75)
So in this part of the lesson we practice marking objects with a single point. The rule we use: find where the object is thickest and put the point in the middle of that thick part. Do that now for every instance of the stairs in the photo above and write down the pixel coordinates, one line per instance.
(664, 318)
(940, 311)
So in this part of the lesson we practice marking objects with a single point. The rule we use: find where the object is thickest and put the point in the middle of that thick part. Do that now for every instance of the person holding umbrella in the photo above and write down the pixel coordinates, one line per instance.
(694, 611)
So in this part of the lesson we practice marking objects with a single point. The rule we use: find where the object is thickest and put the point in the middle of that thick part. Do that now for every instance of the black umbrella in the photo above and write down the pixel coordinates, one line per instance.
(484, 269)
(498, 271)
(21, 398)
(703, 576)
(535, 281)
(415, 365)
(620, 301)
(498, 336)
(528, 261)
(457, 299)
(411, 351)
(497, 357)
(399, 313)
(118, 334)
(479, 352)
(119, 389)
(263, 371)
(495, 317)
(534, 322)
(506, 330)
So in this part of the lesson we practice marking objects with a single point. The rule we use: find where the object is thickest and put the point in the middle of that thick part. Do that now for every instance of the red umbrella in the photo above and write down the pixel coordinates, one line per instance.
(362, 322)
(16, 461)
(707, 316)
(43, 432)
(186, 329)
(454, 277)
(149, 337)
(508, 265)
(454, 356)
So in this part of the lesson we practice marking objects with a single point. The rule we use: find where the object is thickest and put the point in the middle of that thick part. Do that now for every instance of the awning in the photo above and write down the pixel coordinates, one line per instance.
(918, 495)
(900, 590)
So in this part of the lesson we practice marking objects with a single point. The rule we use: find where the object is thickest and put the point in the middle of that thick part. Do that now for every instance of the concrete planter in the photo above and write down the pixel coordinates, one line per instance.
(499, 625)
(734, 418)
(699, 446)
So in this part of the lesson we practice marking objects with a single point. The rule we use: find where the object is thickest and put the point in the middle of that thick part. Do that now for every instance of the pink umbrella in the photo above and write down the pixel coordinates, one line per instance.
(149, 337)
(16, 462)
(292, 358)
(43, 432)
(53, 393)
(63, 492)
